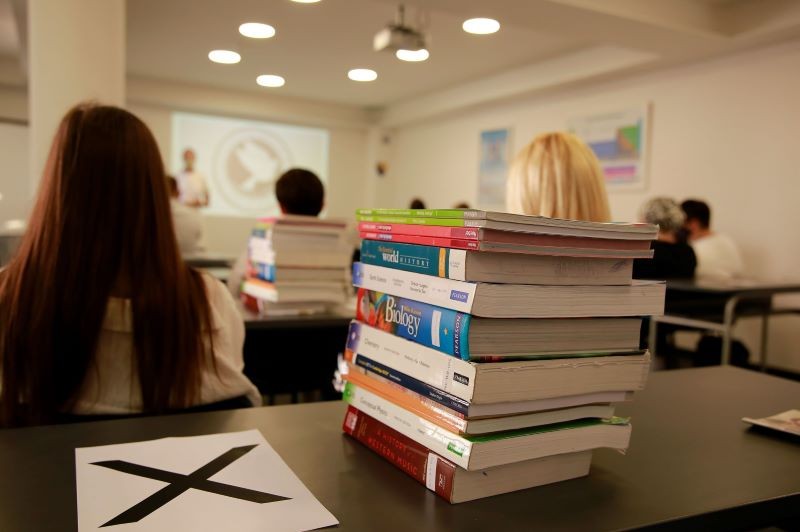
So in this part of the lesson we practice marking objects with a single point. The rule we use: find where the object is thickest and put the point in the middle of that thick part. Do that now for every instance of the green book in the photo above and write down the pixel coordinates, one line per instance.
(502, 221)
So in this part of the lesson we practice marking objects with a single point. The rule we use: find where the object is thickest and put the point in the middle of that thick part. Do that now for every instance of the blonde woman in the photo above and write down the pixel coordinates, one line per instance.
(558, 176)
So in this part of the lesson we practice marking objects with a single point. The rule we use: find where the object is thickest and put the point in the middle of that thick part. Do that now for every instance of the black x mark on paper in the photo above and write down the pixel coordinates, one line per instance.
(178, 483)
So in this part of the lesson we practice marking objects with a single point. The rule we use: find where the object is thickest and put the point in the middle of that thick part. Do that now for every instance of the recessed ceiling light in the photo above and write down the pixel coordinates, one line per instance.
(362, 74)
(226, 57)
(306, 1)
(270, 80)
(481, 26)
(412, 55)
(257, 30)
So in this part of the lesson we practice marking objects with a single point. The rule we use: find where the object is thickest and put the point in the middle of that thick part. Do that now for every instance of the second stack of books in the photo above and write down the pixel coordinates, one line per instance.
(481, 372)
(297, 264)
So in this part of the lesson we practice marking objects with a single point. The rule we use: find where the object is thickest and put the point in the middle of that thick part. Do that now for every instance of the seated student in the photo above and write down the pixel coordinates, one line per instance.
(416, 203)
(717, 254)
(461, 205)
(558, 176)
(187, 220)
(100, 314)
(672, 256)
(298, 191)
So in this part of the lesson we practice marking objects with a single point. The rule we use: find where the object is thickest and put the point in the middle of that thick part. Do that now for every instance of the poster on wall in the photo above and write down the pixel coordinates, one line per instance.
(620, 141)
(240, 160)
(495, 153)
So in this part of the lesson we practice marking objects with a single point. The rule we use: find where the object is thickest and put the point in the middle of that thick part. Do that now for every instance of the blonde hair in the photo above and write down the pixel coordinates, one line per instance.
(558, 176)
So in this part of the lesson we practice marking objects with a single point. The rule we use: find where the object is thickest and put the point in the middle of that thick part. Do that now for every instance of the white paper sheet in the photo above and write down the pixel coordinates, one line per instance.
(115, 493)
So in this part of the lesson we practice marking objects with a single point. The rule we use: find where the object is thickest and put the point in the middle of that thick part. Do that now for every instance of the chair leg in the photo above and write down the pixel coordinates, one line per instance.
(764, 339)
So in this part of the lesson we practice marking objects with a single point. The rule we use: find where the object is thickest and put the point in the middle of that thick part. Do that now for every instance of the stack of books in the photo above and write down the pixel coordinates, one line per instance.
(489, 349)
(297, 264)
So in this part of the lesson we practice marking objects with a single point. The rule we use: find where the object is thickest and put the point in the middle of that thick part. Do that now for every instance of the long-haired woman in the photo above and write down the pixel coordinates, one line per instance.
(98, 312)
(558, 176)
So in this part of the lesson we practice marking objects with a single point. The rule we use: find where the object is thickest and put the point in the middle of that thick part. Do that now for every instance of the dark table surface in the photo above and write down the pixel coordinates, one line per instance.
(692, 464)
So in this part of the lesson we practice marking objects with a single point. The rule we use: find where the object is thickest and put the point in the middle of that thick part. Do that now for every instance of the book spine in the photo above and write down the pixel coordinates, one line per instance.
(260, 250)
(430, 410)
(461, 233)
(265, 272)
(442, 442)
(446, 373)
(438, 328)
(427, 260)
(427, 468)
(440, 292)
(416, 213)
(423, 389)
(452, 243)
(447, 222)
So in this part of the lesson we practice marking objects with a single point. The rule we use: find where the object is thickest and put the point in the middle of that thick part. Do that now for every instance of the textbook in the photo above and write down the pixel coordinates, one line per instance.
(489, 300)
(500, 448)
(454, 408)
(487, 339)
(509, 222)
(492, 382)
(296, 292)
(462, 425)
(476, 237)
(475, 245)
(272, 273)
(490, 267)
(452, 483)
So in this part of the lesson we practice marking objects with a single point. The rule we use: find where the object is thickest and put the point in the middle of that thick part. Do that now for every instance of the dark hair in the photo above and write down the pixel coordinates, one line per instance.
(697, 210)
(172, 186)
(300, 191)
(462, 205)
(417, 203)
(101, 227)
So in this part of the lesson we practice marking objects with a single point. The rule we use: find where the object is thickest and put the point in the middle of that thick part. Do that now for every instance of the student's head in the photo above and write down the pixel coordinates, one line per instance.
(698, 217)
(416, 203)
(557, 175)
(101, 228)
(189, 158)
(300, 191)
(666, 213)
(462, 205)
(172, 186)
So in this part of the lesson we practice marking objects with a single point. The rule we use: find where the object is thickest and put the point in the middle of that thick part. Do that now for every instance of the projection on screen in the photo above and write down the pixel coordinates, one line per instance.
(242, 159)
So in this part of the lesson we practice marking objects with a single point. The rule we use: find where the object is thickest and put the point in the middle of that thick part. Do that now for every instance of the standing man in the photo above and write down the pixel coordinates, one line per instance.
(718, 255)
(192, 184)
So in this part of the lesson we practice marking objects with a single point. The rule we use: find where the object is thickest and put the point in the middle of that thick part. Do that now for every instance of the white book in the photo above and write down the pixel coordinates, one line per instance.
(495, 382)
(489, 300)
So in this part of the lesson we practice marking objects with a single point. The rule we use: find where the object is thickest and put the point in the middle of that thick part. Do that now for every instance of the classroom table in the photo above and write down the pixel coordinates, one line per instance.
(692, 464)
(716, 305)
(209, 260)
(294, 354)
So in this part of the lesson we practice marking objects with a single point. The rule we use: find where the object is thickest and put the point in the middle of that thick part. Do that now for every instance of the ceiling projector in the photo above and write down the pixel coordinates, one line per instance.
(398, 36)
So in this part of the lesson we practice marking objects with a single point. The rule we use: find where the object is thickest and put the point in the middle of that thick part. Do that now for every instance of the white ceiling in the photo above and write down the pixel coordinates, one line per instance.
(317, 43)
(315, 46)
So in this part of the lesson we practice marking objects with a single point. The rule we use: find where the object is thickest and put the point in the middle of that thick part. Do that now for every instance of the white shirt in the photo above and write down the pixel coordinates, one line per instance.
(188, 224)
(717, 257)
(192, 187)
(112, 386)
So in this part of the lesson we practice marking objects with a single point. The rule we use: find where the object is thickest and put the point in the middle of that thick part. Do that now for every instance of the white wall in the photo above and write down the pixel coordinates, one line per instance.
(725, 130)
(14, 202)
(155, 101)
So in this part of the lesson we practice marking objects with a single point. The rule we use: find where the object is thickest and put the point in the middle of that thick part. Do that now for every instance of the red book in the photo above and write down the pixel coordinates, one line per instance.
(451, 482)
(392, 232)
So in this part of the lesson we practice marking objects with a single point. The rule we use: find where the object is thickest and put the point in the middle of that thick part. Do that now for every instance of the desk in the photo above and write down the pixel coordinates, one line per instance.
(692, 464)
(292, 354)
(727, 296)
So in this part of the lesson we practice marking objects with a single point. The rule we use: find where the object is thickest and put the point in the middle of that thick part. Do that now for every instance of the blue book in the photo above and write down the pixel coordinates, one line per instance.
(427, 260)
(438, 328)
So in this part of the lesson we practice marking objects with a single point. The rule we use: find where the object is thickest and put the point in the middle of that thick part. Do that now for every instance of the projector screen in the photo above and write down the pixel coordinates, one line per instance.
(241, 159)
